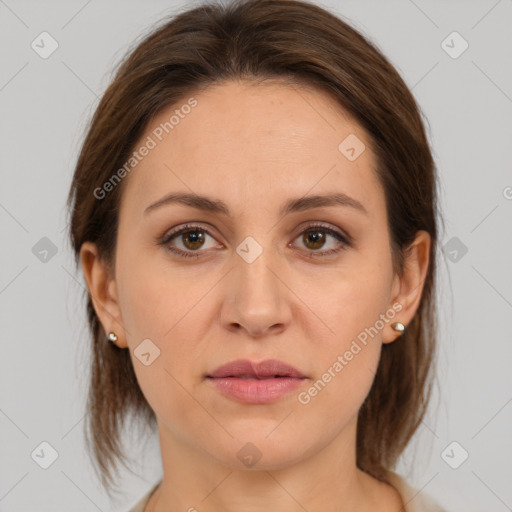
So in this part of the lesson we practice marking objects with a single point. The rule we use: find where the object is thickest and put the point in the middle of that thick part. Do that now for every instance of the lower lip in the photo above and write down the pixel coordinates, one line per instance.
(256, 391)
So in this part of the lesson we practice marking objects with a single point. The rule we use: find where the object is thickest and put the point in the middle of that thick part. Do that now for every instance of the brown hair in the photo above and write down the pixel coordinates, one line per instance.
(259, 40)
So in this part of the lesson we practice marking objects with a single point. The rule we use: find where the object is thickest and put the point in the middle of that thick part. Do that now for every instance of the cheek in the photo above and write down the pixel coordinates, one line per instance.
(346, 361)
(350, 301)
(152, 295)
(351, 305)
(161, 307)
(167, 305)
(141, 302)
(358, 306)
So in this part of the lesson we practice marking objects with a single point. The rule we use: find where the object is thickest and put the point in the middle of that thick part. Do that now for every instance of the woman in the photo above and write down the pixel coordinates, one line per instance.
(254, 210)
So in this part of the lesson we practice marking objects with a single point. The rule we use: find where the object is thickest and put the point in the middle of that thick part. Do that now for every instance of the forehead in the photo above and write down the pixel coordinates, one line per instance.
(251, 140)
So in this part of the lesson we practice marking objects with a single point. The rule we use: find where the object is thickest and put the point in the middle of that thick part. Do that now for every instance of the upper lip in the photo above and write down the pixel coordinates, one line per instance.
(267, 368)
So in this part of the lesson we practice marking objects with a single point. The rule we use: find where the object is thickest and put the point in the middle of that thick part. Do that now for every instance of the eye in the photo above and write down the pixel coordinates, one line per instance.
(314, 237)
(193, 237)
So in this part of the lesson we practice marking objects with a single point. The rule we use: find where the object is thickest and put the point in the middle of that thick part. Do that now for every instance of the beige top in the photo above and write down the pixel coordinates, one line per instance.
(414, 501)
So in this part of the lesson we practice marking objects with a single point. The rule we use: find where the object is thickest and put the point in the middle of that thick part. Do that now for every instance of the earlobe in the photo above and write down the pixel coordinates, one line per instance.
(410, 284)
(103, 291)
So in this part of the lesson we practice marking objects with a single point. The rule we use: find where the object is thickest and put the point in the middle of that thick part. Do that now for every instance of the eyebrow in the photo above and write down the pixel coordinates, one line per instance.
(211, 205)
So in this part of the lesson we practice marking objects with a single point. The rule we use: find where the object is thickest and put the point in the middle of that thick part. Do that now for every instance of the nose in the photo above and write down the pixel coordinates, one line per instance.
(256, 297)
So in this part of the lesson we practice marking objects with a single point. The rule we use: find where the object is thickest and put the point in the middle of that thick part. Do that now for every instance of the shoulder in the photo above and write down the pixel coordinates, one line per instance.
(141, 504)
(414, 500)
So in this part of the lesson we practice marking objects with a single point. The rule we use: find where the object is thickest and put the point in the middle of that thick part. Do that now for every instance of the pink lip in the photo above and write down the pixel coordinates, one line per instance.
(267, 368)
(264, 382)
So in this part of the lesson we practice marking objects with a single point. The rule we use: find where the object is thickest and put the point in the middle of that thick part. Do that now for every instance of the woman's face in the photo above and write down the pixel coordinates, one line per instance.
(255, 280)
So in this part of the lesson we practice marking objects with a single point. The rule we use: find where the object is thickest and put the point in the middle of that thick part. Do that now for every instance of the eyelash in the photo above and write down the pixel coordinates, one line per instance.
(345, 242)
(164, 241)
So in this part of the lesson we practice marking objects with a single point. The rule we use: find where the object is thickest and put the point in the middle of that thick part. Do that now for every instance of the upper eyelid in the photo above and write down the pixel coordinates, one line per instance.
(190, 226)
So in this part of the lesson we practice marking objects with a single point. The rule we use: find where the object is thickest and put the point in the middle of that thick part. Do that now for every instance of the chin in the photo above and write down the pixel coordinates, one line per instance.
(257, 451)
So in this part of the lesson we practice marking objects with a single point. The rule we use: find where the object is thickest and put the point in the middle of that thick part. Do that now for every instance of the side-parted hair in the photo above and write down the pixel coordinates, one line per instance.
(256, 41)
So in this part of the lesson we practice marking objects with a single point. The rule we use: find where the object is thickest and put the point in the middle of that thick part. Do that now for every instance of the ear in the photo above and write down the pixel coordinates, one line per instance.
(407, 289)
(103, 291)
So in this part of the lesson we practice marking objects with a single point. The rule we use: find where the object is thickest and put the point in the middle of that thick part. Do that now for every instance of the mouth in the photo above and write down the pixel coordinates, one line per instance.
(245, 369)
(255, 377)
(256, 383)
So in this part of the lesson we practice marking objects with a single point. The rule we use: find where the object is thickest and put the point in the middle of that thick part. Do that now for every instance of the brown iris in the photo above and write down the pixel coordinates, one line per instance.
(318, 238)
(196, 238)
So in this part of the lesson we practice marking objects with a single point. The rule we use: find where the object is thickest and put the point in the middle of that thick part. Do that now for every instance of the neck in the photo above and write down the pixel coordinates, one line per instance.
(327, 480)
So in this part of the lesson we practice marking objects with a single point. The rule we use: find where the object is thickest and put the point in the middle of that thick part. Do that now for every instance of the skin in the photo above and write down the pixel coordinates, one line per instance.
(202, 313)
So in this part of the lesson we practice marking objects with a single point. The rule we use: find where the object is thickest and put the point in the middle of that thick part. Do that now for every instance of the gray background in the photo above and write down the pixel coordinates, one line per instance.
(45, 104)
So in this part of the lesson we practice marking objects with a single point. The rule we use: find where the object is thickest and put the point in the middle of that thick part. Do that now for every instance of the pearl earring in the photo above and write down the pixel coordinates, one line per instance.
(398, 327)
(112, 336)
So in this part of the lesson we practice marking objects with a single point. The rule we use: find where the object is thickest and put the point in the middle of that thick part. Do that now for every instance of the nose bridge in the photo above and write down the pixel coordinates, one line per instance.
(253, 276)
